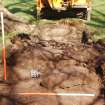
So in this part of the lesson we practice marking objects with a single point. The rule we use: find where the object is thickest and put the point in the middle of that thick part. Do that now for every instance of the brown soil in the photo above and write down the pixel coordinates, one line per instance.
(66, 66)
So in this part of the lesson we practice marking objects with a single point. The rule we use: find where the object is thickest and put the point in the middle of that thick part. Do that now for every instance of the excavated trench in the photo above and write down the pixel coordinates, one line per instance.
(64, 63)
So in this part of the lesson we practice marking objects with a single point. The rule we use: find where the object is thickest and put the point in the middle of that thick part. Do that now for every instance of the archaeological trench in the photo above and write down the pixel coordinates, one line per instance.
(65, 65)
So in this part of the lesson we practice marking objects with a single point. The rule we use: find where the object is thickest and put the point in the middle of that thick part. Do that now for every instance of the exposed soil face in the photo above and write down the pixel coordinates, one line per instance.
(65, 65)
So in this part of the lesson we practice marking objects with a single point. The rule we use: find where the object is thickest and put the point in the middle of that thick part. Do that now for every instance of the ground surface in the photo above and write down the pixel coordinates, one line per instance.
(65, 66)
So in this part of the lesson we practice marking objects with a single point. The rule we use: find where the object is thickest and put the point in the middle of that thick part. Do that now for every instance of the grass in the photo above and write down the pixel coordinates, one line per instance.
(22, 8)
(98, 18)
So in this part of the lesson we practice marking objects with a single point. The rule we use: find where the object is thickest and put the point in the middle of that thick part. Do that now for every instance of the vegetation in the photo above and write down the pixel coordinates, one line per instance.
(26, 9)
(98, 18)
(23, 8)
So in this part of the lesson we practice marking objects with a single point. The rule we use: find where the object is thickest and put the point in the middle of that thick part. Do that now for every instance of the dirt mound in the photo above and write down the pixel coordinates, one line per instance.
(63, 31)
(65, 66)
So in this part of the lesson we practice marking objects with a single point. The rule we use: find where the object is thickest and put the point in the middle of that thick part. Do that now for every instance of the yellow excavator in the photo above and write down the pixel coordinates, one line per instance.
(80, 7)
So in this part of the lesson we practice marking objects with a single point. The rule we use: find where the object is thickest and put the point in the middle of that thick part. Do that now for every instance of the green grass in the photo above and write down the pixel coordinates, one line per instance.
(23, 8)
(98, 18)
